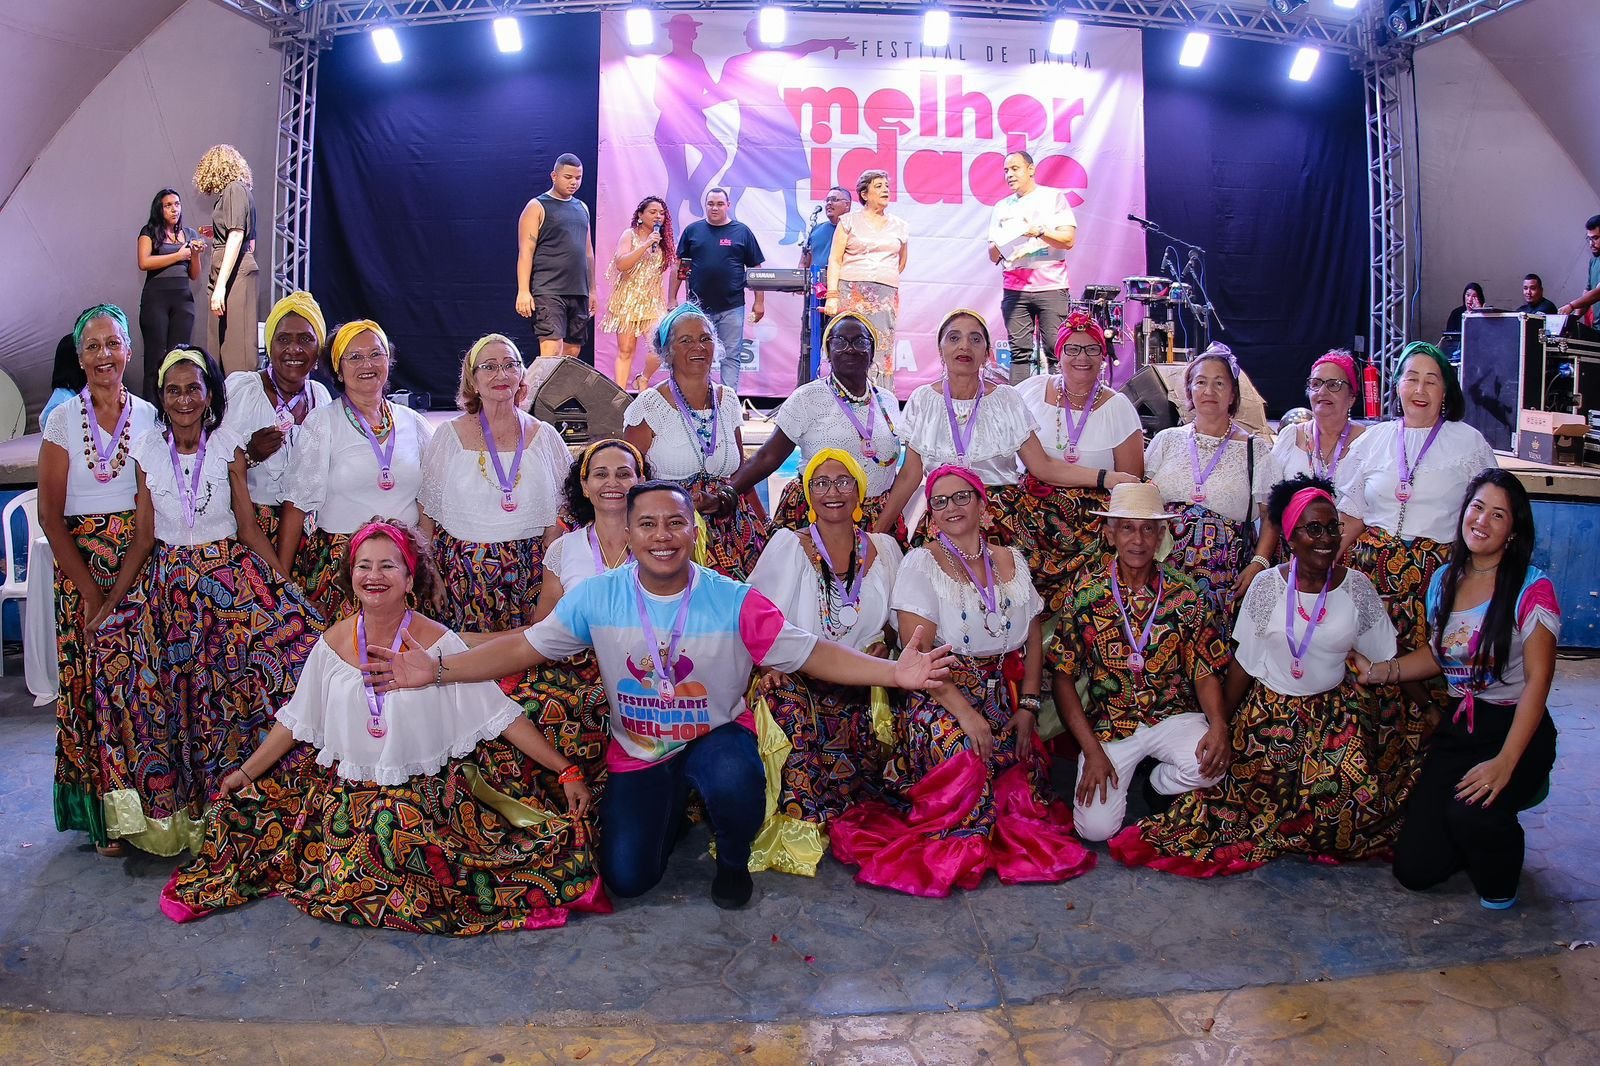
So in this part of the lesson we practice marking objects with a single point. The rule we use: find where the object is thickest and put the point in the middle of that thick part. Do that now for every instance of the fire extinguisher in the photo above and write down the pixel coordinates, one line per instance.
(1369, 386)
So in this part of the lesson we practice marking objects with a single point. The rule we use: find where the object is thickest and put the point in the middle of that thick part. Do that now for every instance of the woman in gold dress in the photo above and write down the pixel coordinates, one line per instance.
(643, 256)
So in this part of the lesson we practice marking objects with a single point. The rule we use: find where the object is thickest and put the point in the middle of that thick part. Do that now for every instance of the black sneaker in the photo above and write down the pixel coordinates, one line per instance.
(731, 888)
(1158, 802)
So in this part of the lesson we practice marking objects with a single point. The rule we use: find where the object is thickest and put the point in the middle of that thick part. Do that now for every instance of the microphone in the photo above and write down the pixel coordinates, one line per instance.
(1169, 265)
(1145, 222)
(1192, 264)
(815, 211)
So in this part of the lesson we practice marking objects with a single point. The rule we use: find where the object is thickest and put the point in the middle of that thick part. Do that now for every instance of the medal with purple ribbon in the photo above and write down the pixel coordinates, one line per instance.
(1201, 476)
(962, 442)
(840, 397)
(375, 724)
(1402, 491)
(384, 452)
(600, 564)
(508, 481)
(190, 493)
(849, 598)
(988, 592)
(1331, 467)
(1136, 645)
(1297, 650)
(104, 448)
(662, 659)
(1075, 428)
(283, 411)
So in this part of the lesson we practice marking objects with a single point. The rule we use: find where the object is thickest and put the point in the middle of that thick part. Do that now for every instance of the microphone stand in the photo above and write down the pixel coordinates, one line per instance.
(806, 366)
(1196, 259)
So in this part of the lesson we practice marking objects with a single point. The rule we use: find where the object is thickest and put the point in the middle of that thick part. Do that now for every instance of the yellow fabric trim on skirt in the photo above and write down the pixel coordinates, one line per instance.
(126, 820)
(785, 844)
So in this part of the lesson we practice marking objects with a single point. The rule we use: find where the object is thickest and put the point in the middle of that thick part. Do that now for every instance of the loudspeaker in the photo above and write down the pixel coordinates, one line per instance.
(1157, 394)
(580, 402)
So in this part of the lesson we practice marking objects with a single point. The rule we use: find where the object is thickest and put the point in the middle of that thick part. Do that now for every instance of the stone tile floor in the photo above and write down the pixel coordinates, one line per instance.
(81, 935)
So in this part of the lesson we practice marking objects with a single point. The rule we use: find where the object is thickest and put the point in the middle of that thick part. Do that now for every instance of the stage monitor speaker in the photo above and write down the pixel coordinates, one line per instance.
(580, 402)
(1502, 371)
(1157, 394)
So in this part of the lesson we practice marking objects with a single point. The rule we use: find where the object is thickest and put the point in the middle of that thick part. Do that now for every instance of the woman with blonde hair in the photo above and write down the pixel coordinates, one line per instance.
(644, 255)
(491, 484)
(222, 173)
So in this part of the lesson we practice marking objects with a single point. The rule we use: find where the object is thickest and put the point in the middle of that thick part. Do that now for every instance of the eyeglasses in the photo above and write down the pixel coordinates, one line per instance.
(821, 486)
(496, 369)
(1318, 530)
(1078, 351)
(377, 355)
(860, 345)
(960, 499)
(1333, 385)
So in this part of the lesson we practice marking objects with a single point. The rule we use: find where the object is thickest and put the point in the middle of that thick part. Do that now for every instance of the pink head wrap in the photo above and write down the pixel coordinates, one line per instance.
(401, 541)
(1343, 362)
(1079, 322)
(951, 470)
(1297, 505)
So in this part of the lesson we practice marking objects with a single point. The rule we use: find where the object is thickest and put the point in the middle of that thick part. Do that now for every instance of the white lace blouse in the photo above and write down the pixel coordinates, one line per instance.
(1290, 461)
(571, 558)
(424, 728)
(1109, 424)
(214, 519)
(675, 452)
(1355, 621)
(1004, 425)
(955, 608)
(1370, 474)
(335, 473)
(1229, 491)
(461, 492)
(812, 419)
(787, 577)
(67, 429)
(249, 409)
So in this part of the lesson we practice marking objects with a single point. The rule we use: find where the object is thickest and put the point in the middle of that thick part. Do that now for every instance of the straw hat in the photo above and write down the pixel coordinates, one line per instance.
(1135, 499)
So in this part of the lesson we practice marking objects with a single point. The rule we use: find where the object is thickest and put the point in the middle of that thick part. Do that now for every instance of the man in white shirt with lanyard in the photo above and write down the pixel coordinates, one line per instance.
(1029, 237)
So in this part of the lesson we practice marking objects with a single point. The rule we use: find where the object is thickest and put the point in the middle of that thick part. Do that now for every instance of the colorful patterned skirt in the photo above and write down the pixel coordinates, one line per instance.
(879, 304)
(458, 853)
(488, 588)
(791, 512)
(1213, 550)
(1004, 508)
(1304, 781)
(567, 701)
(1401, 572)
(267, 517)
(102, 540)
(955, 818)
(318, 566)
(733, 540)
(195, 662)
(1059, 535)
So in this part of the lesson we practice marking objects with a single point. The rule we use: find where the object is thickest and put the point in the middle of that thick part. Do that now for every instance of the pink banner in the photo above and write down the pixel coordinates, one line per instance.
(707, 105)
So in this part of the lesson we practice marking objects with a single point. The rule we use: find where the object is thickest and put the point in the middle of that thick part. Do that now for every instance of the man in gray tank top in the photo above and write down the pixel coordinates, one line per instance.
(555, 263)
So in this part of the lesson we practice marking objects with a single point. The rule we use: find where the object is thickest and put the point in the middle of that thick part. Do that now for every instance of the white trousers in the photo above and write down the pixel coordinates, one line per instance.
(1171, 741)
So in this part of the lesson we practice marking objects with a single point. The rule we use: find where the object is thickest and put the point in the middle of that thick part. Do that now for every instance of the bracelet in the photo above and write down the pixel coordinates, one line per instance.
(572, 773)
(1261, 561)
(1100, 480)
(438, 678)
(246, 774)
(1394, 671)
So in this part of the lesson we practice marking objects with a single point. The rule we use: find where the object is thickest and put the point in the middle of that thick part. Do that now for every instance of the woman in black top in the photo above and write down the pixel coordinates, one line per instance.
(169, 255)
(1471, 300)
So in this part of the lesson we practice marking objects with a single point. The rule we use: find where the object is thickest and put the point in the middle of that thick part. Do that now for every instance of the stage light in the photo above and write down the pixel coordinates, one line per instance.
(1304, 65)
(773, 24)
(387, 44)
(641, 27)
(1347, 4)
(508, 34)
(1283, 7)
(1194, 49)
(1403, 16)
(1063, 36)
(936, 27)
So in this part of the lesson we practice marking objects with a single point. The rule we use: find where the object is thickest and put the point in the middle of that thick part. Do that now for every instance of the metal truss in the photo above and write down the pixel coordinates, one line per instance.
(1250, 19)
(1441, 18)
(280, 16)
(1388, 263)
(291, 206)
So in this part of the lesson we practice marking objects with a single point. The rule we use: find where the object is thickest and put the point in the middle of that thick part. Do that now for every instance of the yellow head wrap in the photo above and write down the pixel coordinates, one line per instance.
(983, 323)
(588, 454)
(845, 459)
(348, 332)
(176, 356)
(300, 303)
(851, 316)
(483, 342)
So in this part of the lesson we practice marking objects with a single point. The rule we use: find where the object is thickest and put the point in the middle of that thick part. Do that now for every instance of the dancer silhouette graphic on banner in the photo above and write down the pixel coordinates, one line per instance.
(769, 153)
(683, 93)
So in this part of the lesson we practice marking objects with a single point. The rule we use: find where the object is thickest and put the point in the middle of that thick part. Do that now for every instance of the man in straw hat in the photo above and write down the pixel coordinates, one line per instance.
(1139, 645)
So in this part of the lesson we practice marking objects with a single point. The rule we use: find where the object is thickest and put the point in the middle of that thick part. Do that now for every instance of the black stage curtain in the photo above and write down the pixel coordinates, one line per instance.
(1269, 176)
(421, 170)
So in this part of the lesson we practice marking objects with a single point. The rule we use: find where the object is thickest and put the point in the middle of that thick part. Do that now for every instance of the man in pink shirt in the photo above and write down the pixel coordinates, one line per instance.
(1029, 237)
